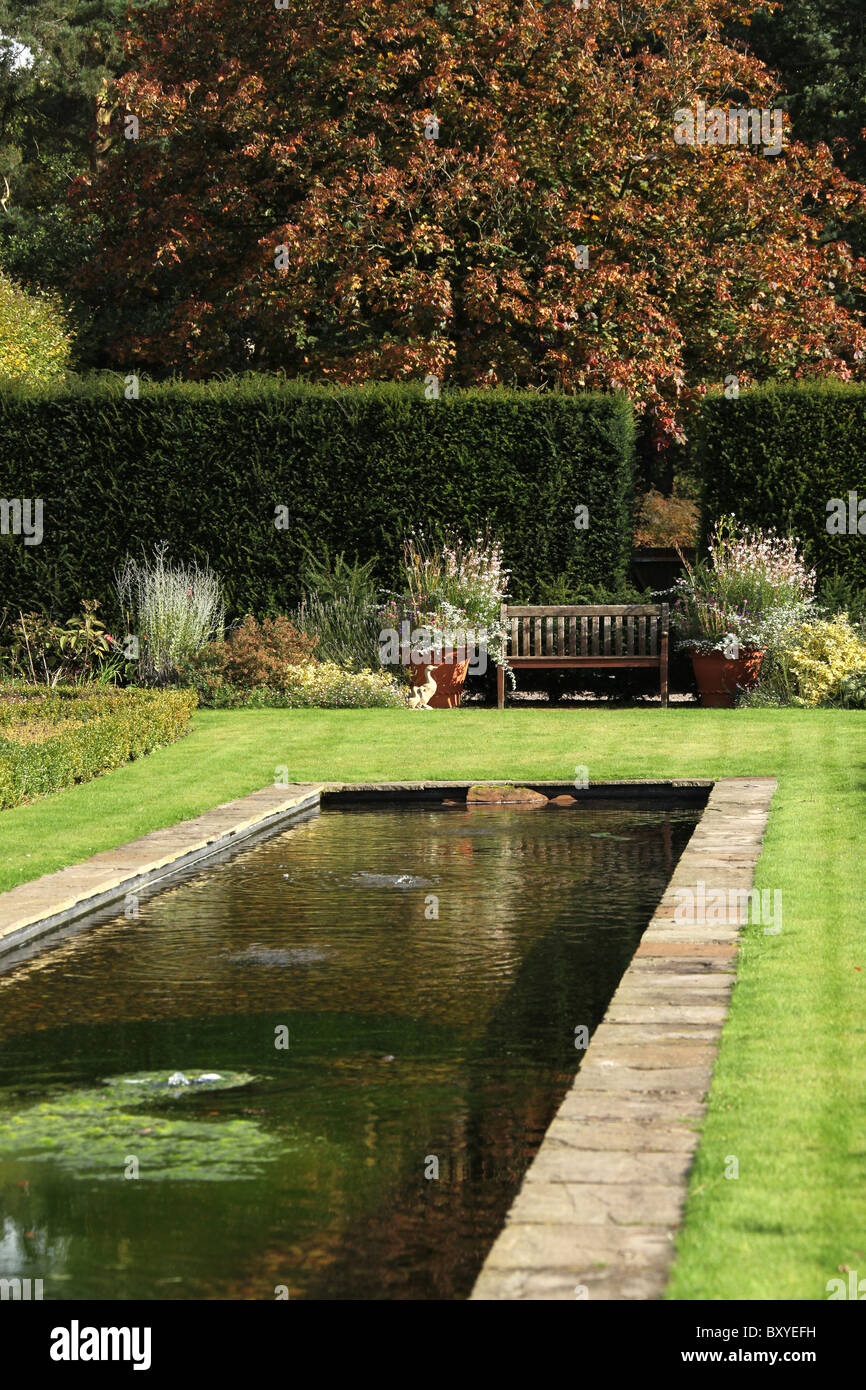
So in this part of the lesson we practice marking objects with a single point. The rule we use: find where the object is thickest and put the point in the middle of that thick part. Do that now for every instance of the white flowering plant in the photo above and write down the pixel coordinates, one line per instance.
(753, 588)
(454, 593)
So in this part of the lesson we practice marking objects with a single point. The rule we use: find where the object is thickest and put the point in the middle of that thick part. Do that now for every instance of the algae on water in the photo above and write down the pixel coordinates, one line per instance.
(93, 1133)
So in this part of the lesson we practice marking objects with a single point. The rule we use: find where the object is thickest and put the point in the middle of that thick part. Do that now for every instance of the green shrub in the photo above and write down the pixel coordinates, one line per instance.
(35, 341)
(339, 609)
(34, 647)
(255, 654)
(561, 593)
(818, 662)
(777, 456)
(314, 685)
(852, 690)
(836, 594)
(244, 472)
(52, 739)
(345, 629)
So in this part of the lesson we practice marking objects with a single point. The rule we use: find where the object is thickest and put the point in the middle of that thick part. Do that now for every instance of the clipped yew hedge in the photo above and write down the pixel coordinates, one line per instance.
(52, 739)
(778, 455)
(205, 466)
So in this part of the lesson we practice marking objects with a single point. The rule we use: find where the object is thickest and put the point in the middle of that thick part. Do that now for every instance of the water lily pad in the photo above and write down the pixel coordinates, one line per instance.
(94, 1133)
(147, 1086)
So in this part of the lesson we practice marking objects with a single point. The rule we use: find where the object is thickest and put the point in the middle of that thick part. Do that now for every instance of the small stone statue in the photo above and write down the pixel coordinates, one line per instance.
(422, 694)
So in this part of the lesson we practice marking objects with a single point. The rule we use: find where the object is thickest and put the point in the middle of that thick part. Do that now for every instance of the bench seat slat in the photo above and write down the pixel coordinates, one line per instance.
(577, 610)
(542, 662)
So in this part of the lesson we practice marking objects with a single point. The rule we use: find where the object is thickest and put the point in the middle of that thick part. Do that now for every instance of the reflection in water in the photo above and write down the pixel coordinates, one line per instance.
(403, 988)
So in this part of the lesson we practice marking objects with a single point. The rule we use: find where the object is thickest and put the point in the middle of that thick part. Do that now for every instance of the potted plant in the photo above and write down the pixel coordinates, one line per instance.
(726, 605)
(449, 616)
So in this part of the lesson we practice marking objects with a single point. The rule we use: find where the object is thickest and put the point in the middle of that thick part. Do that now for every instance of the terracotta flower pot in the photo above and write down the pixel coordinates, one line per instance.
(449, 675)
(719, 677)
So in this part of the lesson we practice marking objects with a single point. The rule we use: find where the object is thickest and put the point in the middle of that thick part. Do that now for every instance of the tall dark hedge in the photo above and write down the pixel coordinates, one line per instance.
(775, 458)
(203, 466)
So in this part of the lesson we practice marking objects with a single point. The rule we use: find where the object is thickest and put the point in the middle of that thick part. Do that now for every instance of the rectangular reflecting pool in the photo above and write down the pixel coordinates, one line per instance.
(385, 1002)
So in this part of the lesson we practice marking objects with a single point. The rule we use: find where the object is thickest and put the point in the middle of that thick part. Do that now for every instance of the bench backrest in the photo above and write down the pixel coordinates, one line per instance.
(626, 629)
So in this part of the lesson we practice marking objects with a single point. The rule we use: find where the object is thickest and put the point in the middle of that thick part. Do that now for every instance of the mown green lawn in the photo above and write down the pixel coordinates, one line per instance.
(789, 1093)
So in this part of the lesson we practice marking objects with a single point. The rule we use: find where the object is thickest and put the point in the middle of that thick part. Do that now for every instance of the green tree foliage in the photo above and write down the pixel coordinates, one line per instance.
(818, 47)
(34, 335)
(56, 114)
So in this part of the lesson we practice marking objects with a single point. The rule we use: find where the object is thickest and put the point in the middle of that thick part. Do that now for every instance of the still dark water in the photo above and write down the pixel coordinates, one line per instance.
(381, 992)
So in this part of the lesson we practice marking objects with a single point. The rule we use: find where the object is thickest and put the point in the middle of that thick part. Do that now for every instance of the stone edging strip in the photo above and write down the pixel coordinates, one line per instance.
(597, 1211)
(46, 903)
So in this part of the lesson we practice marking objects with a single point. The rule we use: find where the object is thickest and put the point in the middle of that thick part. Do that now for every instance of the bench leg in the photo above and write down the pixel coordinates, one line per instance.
(500, 687)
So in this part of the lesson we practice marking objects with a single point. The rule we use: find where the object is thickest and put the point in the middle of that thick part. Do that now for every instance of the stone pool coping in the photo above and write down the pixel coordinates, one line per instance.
(43, 905)
(597, 1211)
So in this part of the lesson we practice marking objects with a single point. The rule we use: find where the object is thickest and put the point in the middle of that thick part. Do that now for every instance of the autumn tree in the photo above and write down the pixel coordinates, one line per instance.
(481, 192)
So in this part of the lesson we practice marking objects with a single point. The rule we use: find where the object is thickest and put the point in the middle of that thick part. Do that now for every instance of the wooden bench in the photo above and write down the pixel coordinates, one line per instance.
(594, 637)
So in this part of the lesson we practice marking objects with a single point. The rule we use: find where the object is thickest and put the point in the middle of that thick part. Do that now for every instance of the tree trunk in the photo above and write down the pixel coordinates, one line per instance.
(101, 140)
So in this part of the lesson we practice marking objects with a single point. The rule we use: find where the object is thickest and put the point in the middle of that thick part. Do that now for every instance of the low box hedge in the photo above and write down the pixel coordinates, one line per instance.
(52, 739)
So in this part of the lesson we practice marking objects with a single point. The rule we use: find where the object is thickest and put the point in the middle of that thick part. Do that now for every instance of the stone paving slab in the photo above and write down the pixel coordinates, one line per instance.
(697, 950)
(549, 1284)
(604, 1132)
(598, 1245)
(623, 1204)
(661, 1052)
(561, 1164)
(669, 1012)
(618, 1035)
(46, 903)
(598, 1209)
(593, 1102)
